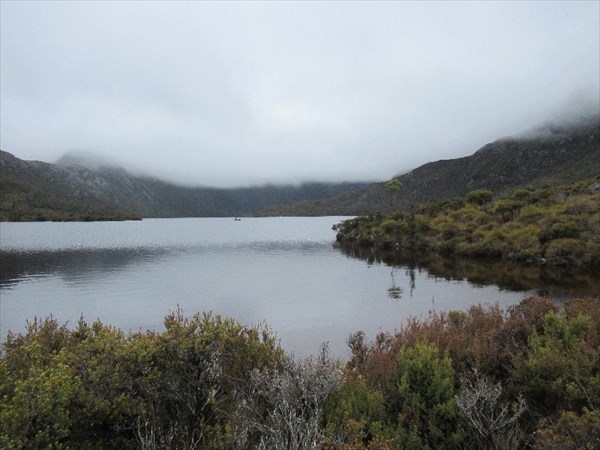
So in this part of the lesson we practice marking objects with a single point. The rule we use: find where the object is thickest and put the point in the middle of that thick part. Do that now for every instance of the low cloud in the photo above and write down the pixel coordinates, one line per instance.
(230, 94)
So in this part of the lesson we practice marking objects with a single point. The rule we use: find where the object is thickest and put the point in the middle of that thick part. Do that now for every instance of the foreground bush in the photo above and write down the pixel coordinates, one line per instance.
(519, 377)
(527, 377)
(94, 387)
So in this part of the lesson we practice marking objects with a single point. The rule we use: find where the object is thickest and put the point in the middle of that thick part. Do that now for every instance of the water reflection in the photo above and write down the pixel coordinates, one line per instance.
(395, 292)
(516, 277)
(70, 265)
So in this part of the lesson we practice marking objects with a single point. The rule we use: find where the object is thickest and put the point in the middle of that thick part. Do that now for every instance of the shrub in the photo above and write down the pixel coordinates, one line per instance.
(283, 408)
(515, 228)
(522, 243)
(489, 421)
(38, 411)
(94, 387)
(564, 252)
(522, 195)
(531, 214)
(389, 226)
(570, 431)
(507, 208)
(208, 382)
(559, 369)
(356, 413)
(480, 196)
(426, 389)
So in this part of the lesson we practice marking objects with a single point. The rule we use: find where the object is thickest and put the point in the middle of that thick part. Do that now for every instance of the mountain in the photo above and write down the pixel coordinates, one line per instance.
(35, 190)
(84, 187)
(549, 155)
(80, 187)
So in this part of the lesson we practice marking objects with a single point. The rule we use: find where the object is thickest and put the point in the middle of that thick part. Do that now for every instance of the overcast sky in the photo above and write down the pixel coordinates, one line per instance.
(230, 94)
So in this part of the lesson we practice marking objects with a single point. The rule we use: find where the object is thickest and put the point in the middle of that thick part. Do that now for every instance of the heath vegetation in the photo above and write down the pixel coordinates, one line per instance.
(486, 378)
(557, 226)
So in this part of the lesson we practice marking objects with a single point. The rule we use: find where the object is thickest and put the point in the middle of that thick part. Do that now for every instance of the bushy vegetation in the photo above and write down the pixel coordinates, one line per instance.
(528, 377)
(485, 378)
(38, 205)
(558, 226)
(94, 387)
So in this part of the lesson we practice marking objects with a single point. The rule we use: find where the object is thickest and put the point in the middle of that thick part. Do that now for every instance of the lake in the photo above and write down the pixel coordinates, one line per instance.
(282, 271)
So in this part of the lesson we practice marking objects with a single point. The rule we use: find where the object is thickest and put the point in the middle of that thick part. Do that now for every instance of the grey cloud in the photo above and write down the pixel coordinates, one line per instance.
(238, 93)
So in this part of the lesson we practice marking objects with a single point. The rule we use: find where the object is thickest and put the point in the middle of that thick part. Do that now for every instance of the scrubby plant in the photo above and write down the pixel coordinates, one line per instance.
(452, 380)
(570, 431)
(489, 421)
(282, 409)
(556, 226)
(427, 413)
(535, 355)
(480, 196)
(95, 387)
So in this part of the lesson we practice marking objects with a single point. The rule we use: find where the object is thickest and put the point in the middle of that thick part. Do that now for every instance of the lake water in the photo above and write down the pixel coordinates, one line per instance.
(282, 271)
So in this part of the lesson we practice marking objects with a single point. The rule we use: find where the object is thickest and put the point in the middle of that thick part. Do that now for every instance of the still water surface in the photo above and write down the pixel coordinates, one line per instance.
(282, 271)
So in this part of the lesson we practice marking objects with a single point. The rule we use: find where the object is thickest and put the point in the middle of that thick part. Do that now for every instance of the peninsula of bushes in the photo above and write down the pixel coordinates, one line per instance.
(525, 377)
(557, 226)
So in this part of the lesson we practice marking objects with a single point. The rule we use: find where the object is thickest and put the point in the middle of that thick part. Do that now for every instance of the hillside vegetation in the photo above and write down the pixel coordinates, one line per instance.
(558, 226)
(527, 377)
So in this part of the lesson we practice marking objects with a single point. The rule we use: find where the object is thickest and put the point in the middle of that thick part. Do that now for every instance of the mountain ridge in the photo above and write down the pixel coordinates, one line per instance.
(562, 154)
(78, 189)
(68, 190)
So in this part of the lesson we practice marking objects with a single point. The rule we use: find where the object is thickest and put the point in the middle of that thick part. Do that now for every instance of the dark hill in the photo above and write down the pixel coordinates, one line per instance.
(78, 187)
(547, 156)
(35, 190)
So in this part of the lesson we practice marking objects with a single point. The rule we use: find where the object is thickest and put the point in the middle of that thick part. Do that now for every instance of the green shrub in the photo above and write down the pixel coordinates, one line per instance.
(389, 226)
(566, 230)
(559, 370)
(570, 431)
(94, 387)
(564, 252)
(532, 214)
(480, 196)
(522, 243)
(356, 412)
(507, 208)
(426, 391)
(522, 195)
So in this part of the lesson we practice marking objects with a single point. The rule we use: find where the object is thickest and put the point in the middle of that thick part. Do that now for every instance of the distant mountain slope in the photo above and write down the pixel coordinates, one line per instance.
(82, 188)
(35, 190)
(550, 155)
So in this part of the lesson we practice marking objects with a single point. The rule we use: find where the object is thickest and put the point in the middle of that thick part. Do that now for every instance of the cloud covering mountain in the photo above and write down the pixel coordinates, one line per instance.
(233, 94)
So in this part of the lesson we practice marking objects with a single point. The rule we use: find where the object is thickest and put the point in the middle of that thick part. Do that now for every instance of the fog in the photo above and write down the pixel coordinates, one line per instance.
(231, 94)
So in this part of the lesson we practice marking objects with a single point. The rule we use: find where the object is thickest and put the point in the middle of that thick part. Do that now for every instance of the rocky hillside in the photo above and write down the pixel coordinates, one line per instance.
(35, 190)
(82, 188)
(547, 156)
